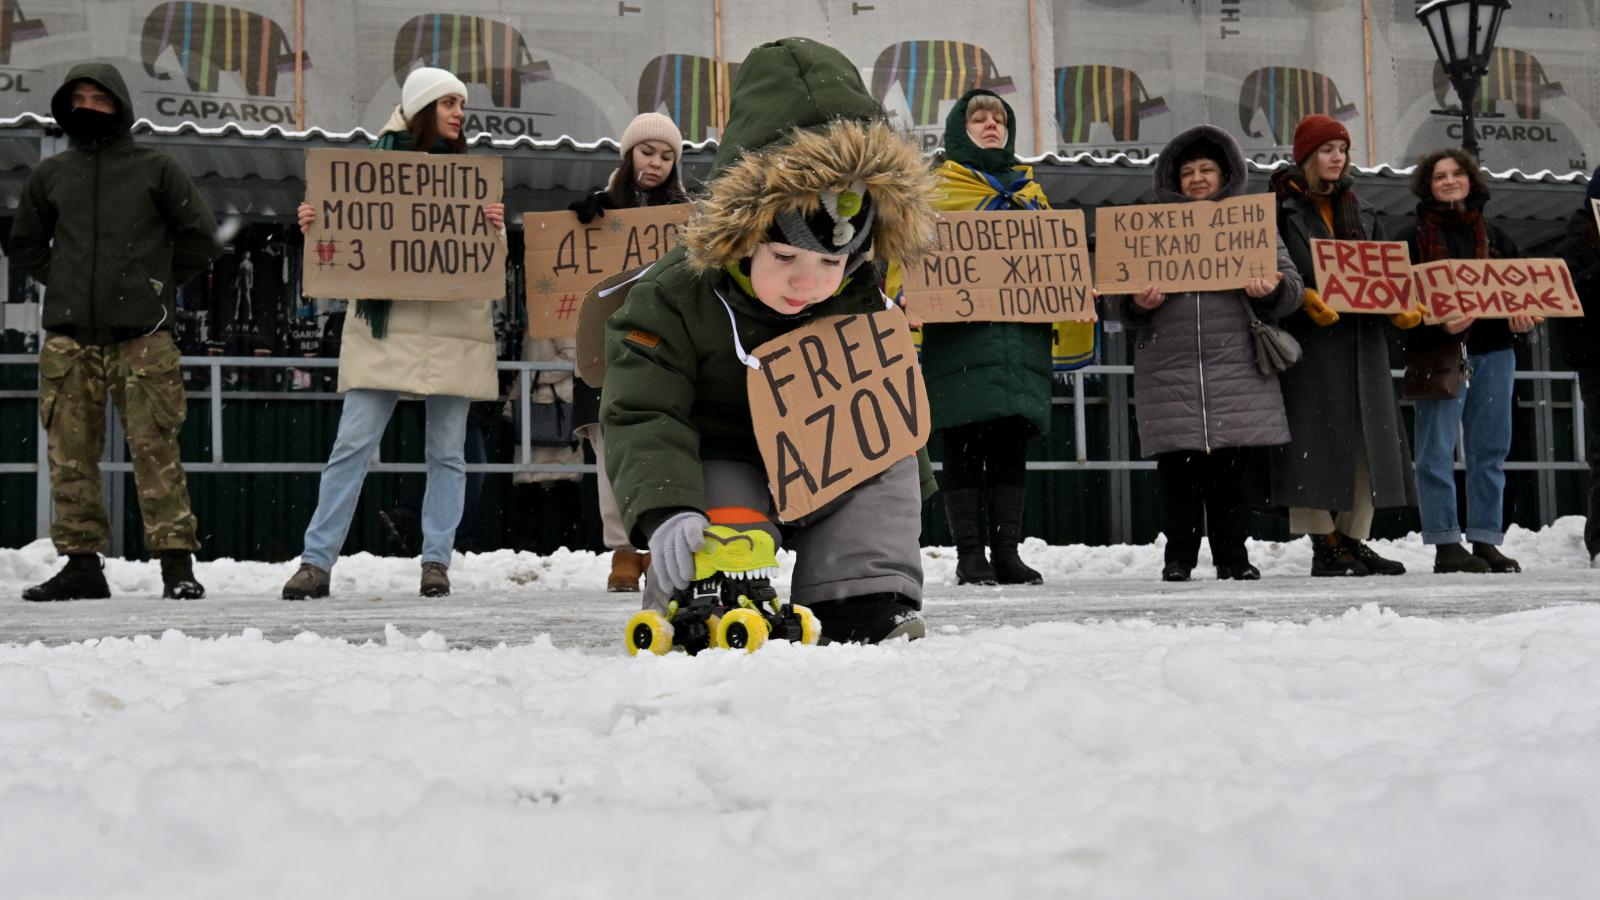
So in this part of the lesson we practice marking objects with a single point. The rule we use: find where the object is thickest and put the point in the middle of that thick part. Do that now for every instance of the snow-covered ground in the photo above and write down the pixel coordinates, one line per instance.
(1103, 736)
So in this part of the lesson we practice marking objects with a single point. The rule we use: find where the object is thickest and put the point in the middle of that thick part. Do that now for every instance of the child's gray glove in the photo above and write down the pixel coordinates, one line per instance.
(672, 548)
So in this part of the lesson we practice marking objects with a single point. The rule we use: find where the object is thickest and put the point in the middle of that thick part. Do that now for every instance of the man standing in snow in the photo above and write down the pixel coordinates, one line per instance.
(111, 229)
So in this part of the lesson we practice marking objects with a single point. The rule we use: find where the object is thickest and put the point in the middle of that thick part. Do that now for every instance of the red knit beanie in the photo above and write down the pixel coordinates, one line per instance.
(1313, 132)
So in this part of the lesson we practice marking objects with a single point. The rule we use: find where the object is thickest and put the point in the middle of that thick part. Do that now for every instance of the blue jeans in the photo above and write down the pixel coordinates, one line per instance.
(361, 423)
(1482, 413)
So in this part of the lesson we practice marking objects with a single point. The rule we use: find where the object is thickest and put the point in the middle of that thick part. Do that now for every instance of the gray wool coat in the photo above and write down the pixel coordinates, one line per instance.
(1342, 379)
(1195, 381)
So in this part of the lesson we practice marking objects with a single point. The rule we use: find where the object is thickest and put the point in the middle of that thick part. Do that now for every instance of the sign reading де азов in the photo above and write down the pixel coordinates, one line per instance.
(564, 258)
(403, 226)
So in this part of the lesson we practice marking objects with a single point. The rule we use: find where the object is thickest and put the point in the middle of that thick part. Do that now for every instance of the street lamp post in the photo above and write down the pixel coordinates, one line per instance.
(1463, 34)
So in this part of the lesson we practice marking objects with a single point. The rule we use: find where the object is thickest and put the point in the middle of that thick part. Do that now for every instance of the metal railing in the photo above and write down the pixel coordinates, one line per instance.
(216, 394)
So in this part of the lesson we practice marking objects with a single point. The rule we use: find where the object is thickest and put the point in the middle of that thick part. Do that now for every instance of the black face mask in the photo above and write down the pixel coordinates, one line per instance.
(92, 124)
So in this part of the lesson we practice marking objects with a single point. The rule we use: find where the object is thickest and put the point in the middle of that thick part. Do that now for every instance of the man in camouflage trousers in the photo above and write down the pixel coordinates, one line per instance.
(111, 229)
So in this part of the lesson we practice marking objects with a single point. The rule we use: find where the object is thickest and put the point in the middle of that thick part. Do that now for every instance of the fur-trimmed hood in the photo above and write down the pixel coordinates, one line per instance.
(803, 122)
(743, 201)
(1235, 179)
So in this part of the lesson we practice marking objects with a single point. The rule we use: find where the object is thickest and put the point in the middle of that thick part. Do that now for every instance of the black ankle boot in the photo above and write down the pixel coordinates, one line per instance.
(1330, 558)
(1005, 532)
(82, 578)
(963, 507)
(1377, 565)
(1498, 562)
(1450, 559)
(177, 576)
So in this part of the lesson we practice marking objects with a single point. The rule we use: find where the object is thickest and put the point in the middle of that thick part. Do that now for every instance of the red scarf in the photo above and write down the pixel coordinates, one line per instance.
(1434, 218)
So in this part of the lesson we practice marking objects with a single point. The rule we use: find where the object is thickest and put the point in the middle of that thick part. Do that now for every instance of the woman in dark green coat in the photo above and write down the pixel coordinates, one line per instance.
(988, 382)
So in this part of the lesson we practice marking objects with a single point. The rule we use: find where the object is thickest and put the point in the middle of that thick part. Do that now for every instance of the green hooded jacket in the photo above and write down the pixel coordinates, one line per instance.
(109, 227)
(675, 388)
(982, 371)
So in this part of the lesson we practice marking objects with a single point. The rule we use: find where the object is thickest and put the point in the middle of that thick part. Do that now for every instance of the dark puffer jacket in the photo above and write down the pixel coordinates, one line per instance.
(1194, 369)
(1580, 337)
(110, 227)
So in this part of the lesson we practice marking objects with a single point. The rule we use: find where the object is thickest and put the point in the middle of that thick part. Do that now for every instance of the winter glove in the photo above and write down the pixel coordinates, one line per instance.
(592, 206)
(1319, 311)
(1407, 320)
(672, 548)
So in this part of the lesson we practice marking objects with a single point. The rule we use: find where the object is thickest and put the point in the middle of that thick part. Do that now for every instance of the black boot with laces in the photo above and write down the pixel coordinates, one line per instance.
(1365, 555)
(82, 578)
(177, 576)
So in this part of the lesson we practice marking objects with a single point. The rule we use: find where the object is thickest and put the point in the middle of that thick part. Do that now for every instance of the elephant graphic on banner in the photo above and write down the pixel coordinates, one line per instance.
(1110, 94)
(212, 38)
(16, 26)
(1286, 95)
(478, 50)
(1514, 76)
(932, 72)
(684, 87)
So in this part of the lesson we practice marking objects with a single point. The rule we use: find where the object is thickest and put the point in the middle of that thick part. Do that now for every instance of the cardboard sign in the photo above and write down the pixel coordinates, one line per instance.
(1495, 289)
(565, 258)
(835, 403)
(403, 226)
(1180, 247)
(1011, 266)
(1364, 276)
(1594, 206)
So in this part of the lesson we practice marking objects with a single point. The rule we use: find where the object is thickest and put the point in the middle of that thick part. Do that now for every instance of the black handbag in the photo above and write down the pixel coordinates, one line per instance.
(1276, 349)
(1434, 372)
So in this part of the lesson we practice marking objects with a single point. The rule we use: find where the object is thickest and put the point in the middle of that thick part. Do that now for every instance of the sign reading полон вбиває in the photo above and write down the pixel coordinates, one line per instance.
(1495, 289)
(403, 226)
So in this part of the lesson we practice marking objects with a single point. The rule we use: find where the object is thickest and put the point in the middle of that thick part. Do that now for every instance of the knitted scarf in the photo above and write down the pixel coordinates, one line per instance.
(1291, 183)
(1434, 218)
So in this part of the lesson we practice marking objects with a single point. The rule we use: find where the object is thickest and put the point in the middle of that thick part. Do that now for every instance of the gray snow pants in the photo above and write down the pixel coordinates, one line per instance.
(865, 542)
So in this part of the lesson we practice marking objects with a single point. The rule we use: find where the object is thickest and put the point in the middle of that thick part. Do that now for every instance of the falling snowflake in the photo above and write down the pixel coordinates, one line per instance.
(614, 225)
(544, 285)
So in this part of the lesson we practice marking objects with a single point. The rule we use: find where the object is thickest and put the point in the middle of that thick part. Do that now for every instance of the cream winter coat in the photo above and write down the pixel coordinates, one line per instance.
(431, 347)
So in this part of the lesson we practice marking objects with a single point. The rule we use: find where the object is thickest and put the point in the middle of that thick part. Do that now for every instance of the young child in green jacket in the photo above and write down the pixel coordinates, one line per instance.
(810, 187)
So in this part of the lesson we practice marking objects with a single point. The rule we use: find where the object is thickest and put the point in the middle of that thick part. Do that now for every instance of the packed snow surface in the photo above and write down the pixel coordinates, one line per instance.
(1359, 753)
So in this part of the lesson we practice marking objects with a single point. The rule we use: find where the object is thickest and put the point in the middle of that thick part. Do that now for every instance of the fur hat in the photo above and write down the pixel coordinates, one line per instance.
(425, 85)
(1313, 132)
(650, 127)
(788, 187)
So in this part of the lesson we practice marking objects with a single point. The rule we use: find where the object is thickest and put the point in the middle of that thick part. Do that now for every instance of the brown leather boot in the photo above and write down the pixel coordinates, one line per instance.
(627, 565)
(435, 580)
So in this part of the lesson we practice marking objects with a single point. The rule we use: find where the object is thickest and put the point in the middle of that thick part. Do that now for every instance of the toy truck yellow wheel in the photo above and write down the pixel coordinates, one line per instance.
(810, 628)
(649, 630)
(740, 629)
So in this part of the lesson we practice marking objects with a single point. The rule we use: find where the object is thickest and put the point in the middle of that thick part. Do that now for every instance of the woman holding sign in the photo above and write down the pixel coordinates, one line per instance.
(811, 186)
(648, 176)
(1202, 401)
(988, 382)
(1348, 455)
(442, 352)
(1451, 192)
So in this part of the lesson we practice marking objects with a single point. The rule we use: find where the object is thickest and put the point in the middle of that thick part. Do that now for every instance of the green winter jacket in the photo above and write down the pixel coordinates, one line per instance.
(675, 388)
(983, 371)
(675, 392)
(110, 228)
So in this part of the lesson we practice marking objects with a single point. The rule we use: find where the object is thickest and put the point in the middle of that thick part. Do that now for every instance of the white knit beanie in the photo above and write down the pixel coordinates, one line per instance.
(425, 85)
(651, 127)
